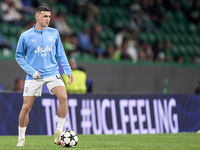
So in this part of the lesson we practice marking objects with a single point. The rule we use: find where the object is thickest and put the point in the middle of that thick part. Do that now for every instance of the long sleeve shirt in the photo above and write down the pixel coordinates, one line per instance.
(39, 51)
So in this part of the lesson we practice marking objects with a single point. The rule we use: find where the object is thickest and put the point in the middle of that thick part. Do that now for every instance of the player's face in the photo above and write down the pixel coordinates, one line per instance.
(43, 18)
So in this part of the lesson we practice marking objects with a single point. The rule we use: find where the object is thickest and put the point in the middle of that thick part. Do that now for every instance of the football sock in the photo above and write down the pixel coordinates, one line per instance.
(21, 132)
(61, 122)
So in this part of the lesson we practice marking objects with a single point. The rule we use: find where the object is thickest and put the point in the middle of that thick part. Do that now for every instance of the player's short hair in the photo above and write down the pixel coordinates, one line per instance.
(41, 8)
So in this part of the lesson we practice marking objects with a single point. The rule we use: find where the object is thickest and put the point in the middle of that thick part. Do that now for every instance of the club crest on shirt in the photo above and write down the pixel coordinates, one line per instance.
(50, 39)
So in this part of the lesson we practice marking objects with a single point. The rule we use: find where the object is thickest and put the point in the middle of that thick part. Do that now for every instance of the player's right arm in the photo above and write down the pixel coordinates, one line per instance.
(20, 56)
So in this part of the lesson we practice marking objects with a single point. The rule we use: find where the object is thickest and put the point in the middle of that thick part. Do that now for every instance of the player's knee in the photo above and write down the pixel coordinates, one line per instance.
(26, 109)
(63, 99)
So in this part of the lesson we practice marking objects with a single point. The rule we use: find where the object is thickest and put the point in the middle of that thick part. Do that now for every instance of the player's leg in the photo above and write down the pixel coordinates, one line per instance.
(26, 107)
(56, 86)
(61, 94)
(32, 88)
(24, 118)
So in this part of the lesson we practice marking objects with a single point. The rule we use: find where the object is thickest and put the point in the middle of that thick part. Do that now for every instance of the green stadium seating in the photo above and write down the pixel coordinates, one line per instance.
(105, 2)
(174, 38)
(70, 20)
(4, 28)
(192, 28)
(159, 37)
(182, 50)
(151, 38)
(196, 50)
(190, 50)
(175, 51)
(103, 35)
(183, 34)
(78, 21)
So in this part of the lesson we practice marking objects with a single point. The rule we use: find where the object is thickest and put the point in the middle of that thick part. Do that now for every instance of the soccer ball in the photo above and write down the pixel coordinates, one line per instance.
(68, 138)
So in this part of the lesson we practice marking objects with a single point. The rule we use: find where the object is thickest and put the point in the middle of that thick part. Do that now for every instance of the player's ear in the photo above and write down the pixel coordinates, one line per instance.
(36, 16)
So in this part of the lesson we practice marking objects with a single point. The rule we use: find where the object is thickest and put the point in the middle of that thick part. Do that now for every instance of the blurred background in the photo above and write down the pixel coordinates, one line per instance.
(123, 46)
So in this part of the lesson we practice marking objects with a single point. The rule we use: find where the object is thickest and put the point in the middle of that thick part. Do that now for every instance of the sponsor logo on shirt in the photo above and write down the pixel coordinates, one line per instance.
(44, 51)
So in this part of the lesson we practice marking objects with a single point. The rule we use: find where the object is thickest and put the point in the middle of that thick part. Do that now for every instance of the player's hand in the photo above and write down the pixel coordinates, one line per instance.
(71, 79)
(36, 75)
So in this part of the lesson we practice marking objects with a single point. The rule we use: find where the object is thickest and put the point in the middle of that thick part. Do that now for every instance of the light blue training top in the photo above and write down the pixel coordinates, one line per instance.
(38, 50)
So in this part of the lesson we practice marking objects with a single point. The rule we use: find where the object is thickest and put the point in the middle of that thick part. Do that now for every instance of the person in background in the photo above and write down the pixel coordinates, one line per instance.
(146, 52)
(120, 35)
(79, 85)
(167, 51)
(110, 52)
(157, 48)
(5, 44)
(84, 40)
(61, 24)
(129, 51)
(18, 85)
(91, 13)
(157, 12)
(96, 41)
(193, 14)
(10, 12)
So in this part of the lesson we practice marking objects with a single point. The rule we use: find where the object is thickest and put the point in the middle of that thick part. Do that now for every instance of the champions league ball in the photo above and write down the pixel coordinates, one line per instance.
(68, 138)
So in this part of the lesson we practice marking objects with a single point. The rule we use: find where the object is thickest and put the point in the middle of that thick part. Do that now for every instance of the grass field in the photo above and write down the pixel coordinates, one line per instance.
(181, 141)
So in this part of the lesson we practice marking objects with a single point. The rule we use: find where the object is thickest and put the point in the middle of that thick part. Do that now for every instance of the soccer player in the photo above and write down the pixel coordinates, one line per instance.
(38, 51)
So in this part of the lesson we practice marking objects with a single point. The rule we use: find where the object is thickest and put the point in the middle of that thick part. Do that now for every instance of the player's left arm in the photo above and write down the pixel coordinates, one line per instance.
(62, 58)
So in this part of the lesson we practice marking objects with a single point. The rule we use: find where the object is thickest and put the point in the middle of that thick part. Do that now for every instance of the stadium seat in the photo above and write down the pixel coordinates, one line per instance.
(151, 38)
(103, 35)
(180, 17)
(169, 15)
(189, 39)
(118, 12)
(175, 51)
(165, 27)
(76, 29)
(182, 50)
(166, 36)
(159, 37)
(59, 8)
(125, 12)
(111, 11)
(196, 50)
(124, 3)
(174, 27)
(70, 20)
(192, 28)
(13, 40)
(105, 2)
(182, 38)
(78, 21)
(189, 50)
(174, 38)
(4, 28)
(110, 42)
(110, 34)
(29, 18)
(181, 28)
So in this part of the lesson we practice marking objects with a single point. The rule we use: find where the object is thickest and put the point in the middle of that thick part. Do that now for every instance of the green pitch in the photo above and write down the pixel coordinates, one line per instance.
(181, 141)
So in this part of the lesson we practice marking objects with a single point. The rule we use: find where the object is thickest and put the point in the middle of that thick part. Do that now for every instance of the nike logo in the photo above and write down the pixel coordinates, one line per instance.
(34, 41)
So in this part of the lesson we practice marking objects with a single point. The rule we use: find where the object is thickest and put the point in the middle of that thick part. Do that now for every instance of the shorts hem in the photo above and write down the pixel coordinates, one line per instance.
(33, 95)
